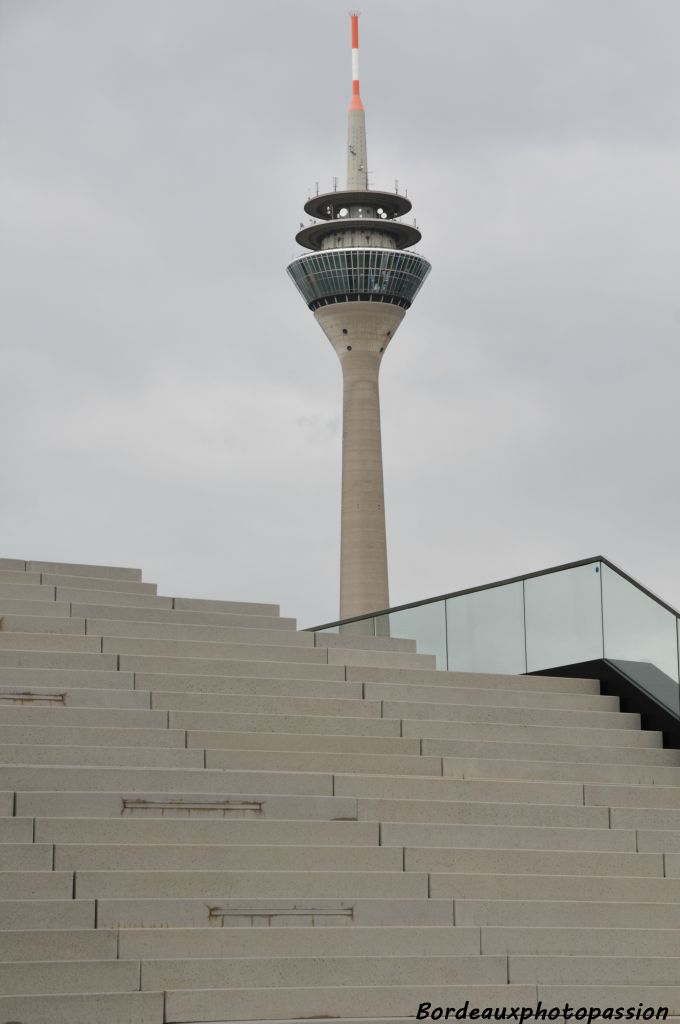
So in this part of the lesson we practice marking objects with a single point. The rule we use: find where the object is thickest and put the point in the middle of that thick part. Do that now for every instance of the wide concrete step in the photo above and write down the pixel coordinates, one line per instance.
(58, 659)
(309, 761)
(36, 885)
(68, 976)
(468, 728)
(193, 650)
(6, 803)
(42, 624)
(658, 840)
(18, 576)
(197, 806)
(28, 914)
(178, 631)
(262, 660)
(195, 943)
(285, 972)
(86, 592)
(167, 780)
(99, 583)
(291, 741)
(256, 704)
(126, 757)
(502, 696)
(645, 818)
(380, 659)
(558, 887)
(232, 607)
(633, 796)
(473, 680)
(16, 830)
(89, 679)
(247, 685)
(26, 605)
(511, 837)
(10, 592)
(111, 1007)
(364, 643)
(343, 1002)
(243, 884)
(57, 714)
(225, 831)
(551, 752)
(524, 716)
(25, 857)
(447, 812)
(574, 771)
(175, 616)
(238, 667)
(220, 857)
(80, 697)
(589, 969)
(554, 913)
(318, 725)
(90, 736)
(568, 941)
(466, 790)
(263, 913)
(110, 572)
(533, 862)
(84, 944)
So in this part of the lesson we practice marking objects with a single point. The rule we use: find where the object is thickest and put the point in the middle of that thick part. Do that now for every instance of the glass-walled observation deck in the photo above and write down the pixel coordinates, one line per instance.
(583, 612)
(351, 275)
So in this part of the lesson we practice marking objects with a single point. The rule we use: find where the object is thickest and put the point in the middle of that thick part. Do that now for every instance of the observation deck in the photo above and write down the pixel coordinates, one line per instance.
(359, 275)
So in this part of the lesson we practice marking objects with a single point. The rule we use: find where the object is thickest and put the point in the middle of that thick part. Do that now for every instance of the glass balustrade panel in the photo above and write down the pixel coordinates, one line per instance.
(425, 624)
(638, 630)
(563, 614)
(485, 630)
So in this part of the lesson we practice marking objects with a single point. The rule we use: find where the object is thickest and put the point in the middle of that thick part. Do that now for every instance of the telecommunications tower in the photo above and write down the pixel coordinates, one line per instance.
(359, 281)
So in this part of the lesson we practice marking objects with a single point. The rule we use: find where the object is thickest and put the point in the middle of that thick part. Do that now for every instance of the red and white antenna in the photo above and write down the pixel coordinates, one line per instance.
(357, 175)
(356, 103)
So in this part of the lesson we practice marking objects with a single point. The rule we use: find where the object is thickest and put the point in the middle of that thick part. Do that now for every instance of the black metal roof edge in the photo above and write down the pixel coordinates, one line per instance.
(501, 583)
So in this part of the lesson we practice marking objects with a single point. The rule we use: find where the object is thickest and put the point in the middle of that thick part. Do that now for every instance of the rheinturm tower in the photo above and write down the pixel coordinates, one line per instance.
(359, 280)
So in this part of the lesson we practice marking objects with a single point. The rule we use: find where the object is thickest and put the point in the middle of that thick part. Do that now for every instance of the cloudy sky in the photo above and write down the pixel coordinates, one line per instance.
(168, 401)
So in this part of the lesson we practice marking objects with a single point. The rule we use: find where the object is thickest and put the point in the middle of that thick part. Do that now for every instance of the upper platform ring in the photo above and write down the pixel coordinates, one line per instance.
(312, 237)
(325, 206)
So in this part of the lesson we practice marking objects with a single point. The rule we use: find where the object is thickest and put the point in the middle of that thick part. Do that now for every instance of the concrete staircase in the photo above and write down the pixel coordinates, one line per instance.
(208, 816)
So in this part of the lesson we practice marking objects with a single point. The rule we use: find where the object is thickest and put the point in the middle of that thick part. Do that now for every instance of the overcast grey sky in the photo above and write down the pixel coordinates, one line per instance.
(168, 401)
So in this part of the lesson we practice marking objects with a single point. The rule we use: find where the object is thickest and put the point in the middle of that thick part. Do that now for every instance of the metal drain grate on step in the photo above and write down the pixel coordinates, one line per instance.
(267, 915)
(177, 807)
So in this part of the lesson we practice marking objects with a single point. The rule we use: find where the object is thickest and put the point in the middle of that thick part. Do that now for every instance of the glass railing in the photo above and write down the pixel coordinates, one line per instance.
(581, 612)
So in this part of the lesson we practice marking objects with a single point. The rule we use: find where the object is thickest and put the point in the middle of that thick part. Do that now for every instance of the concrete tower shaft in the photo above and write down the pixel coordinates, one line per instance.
(360, 332)
(359, 280)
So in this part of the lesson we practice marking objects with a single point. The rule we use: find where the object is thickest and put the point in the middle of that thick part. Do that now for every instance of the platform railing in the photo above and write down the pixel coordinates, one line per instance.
(583, 611)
